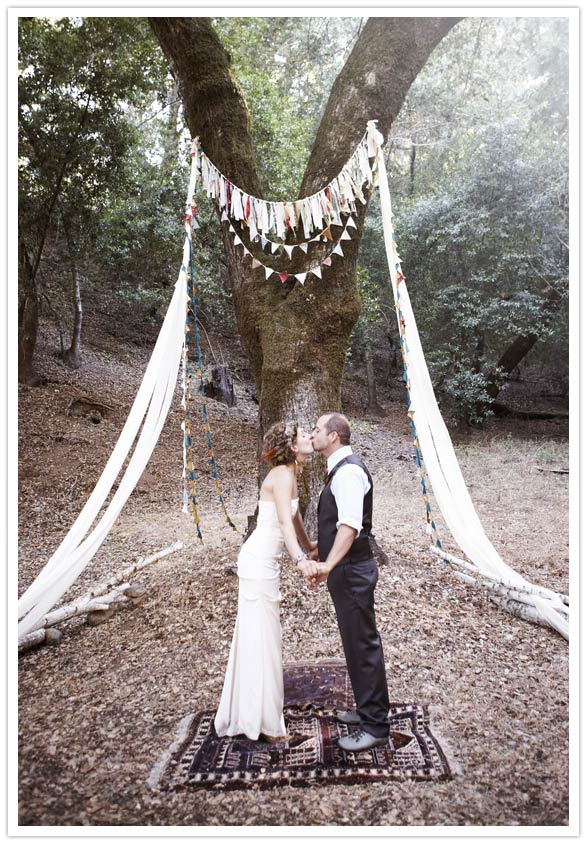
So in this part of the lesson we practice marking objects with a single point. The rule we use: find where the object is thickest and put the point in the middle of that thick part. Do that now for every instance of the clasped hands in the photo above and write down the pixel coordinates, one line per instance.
(314, 572)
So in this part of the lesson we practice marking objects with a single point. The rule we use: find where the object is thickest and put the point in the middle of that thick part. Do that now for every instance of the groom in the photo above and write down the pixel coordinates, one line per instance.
(346, 563)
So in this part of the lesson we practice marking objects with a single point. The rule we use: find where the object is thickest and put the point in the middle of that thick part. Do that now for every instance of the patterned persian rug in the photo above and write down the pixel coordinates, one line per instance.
(199, 758)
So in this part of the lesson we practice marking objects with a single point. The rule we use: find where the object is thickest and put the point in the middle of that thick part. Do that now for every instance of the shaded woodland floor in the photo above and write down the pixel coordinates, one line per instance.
(97, 710)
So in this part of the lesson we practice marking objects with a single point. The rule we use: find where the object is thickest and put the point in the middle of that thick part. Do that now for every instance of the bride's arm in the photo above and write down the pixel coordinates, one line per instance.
(301, 533)
(282, 491)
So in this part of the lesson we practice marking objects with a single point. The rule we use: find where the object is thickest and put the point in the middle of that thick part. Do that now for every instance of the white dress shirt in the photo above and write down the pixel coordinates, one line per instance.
(349, 486)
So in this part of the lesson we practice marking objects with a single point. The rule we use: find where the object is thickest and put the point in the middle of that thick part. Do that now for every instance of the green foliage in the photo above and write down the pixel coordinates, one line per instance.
(82, 83)
(286, 67)
(77, 80)
(478, 164)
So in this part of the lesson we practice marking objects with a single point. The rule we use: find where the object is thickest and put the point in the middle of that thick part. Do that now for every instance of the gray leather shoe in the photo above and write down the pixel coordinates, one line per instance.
(349, 718)
(361, 740)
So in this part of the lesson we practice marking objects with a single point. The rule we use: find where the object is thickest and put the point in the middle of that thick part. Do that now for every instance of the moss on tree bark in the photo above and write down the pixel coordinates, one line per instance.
(296, 336)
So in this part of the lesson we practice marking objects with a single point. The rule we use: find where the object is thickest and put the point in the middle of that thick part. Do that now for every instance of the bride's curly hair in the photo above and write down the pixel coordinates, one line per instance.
(278, 442)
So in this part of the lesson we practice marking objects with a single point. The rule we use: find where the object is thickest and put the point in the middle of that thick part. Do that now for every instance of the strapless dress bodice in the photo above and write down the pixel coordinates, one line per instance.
(260, 554)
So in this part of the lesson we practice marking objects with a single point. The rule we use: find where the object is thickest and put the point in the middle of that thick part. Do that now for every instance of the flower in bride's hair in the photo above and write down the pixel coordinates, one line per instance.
(278, 442)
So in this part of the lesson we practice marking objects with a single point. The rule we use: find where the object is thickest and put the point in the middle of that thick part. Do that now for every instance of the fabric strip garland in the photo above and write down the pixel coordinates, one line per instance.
(315, 213)
(275, 247)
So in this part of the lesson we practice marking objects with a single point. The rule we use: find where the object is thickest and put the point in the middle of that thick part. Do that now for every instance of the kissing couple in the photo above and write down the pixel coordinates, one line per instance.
(252, 696)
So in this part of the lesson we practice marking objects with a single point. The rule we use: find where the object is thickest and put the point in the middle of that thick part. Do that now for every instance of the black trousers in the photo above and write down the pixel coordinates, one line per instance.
(352, 588)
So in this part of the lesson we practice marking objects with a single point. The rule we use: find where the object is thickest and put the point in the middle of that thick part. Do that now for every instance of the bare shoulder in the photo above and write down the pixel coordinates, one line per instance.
(279, 474)
(279, 479)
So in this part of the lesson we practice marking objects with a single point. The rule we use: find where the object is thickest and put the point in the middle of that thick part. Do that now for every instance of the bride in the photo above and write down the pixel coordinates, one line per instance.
(252, 696)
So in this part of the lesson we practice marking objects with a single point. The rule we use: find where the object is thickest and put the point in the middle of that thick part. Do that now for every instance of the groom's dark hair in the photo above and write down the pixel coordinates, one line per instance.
(338, 423)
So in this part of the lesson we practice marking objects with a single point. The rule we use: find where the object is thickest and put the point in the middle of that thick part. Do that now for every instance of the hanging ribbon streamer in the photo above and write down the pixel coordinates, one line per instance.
(200, 375)
(486, 569)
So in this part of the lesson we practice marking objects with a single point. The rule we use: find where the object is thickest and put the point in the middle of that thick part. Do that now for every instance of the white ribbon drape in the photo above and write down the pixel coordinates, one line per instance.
(438, 453)
(149, 409)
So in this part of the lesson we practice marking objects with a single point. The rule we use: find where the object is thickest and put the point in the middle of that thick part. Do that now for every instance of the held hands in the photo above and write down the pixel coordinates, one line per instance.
(313, 553)
(315, 572)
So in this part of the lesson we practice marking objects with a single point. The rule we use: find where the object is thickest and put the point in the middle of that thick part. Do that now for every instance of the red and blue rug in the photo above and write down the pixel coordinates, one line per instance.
(200, 759)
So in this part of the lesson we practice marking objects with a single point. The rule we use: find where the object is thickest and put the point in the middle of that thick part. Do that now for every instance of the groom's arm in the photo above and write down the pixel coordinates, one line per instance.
(318, 573)
(349, 487)
(343, 541)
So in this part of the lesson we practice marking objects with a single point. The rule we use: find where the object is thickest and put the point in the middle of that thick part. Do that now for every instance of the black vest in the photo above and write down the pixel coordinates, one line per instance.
(328, 518)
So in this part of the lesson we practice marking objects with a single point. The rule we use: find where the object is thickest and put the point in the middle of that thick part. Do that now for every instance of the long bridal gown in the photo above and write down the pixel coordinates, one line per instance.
(252, 696)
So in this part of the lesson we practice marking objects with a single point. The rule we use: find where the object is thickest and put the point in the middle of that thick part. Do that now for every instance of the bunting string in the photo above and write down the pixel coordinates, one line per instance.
(190, 500)
(311, 214)
(316, 270)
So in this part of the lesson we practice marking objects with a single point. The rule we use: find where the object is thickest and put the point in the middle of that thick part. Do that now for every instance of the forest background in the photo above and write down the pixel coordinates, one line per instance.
(478, 167)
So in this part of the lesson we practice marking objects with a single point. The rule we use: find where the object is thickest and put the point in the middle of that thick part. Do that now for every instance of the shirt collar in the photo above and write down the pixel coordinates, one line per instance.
(336, 457)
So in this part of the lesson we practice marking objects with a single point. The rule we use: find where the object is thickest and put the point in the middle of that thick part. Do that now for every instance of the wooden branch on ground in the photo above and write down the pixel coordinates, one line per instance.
(519, 609)
(109, 595)
(553, 470)
(508, 597)
(502, 410)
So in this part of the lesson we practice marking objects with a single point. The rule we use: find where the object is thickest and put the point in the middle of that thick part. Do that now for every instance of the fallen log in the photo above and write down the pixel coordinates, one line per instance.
(110, 594)
(502, 410)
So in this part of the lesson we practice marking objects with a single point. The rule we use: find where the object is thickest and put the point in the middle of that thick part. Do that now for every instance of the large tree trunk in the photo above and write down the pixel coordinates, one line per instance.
(296, 336)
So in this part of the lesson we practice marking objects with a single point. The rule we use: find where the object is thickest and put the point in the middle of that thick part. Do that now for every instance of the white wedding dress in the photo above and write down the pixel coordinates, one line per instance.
(252, 696)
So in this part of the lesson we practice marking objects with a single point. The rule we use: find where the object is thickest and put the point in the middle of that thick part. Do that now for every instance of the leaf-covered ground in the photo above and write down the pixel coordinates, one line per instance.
(98, 710)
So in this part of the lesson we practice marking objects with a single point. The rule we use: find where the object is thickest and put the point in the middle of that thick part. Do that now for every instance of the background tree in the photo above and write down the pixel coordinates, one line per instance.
(77, 79)
(479, 156)
(296, 336)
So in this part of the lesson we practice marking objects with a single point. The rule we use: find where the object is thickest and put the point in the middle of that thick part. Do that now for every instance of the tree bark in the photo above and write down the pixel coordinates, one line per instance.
(28, 316)
(296, 336)
(72, 356)
(373, 406)
(520, 347)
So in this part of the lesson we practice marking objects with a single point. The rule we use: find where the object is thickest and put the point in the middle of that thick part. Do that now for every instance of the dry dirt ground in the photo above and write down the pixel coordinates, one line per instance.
(98, 710)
